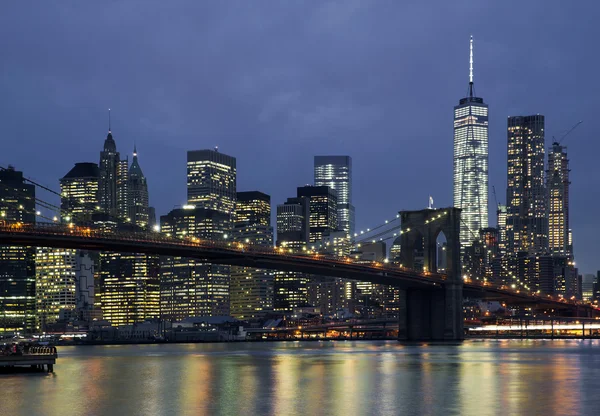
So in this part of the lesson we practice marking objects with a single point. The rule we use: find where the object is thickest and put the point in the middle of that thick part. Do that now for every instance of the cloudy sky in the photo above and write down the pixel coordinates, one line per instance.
(276, 82)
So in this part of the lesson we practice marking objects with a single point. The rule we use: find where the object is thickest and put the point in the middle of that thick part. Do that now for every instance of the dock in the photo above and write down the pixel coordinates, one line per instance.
(37, 358)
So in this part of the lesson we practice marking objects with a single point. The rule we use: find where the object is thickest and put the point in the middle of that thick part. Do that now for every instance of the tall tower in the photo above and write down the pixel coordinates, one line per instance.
(137, 201)
(336, 173)
(471, 161)
(17, 263)
(109, 161)
(558, 201)
(526, 220)
(322, 210)
(211, 180)
(251, 289)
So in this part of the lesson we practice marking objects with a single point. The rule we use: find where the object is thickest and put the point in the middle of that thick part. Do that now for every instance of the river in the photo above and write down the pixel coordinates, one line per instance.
(559, 377)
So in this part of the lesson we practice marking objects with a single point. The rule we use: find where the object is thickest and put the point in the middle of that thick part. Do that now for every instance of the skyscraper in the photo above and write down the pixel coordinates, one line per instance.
(251, 289)
(293, 223)
(190, 287)
(471, 162)
(137, 188)
(79, 192)
(17, 263)
(336, 173)
(211, 180)
(322, 210)
(558, 201)
(112, 184)
(526, 220)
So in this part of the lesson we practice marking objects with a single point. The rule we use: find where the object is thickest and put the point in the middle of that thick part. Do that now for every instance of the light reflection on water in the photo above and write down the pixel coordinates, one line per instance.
(313, 378)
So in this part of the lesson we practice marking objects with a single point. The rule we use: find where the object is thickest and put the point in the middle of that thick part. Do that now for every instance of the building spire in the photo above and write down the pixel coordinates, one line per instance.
(109, 120)
(134, 150)
(471, 67)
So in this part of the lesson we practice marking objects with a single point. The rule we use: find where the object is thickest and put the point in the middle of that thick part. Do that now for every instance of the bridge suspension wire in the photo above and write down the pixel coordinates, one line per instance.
(376, 236)
(34, 212)
(370, 230)
(40, 202)
(36, 184)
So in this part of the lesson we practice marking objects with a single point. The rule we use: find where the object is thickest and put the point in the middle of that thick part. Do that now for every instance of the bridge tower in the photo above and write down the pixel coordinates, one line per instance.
(433, 314)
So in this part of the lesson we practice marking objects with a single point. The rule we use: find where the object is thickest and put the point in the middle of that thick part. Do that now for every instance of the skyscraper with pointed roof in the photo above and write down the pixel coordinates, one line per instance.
(138, 210)
(471, 161)
(112, 186)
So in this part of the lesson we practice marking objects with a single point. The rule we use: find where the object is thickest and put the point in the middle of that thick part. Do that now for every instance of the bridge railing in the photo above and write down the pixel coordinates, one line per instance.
(238, 247)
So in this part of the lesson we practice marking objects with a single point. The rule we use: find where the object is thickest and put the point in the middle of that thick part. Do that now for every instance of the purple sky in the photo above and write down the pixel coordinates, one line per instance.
(274, 83)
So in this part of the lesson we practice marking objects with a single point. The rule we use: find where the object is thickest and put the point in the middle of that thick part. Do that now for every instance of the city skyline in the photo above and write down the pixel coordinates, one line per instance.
(371, 145)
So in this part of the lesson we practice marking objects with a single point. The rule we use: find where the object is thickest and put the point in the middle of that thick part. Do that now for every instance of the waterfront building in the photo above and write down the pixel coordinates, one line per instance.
(211, 180)
(64, 285)
(251, 289)
(587, 286)
(526, 219)
(190, 287)
(17, 263)
(79, 193)
(322, 210)
(557, 184)
(336, 173)
(471, 161)
(130, 289)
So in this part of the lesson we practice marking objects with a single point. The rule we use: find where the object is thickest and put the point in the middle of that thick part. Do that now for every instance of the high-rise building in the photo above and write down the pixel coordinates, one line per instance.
(322, 210)
(63, 278)
(293, 223)
(336, 173)
(130, 287)
(190, 287)
(113, 179)
(557, 185)
(17, 263)
(79, 193)
(251, 289)
(211, 180)
(501, 220)
(107, 189)
(471, 162)
(526, 219)
(138, 209)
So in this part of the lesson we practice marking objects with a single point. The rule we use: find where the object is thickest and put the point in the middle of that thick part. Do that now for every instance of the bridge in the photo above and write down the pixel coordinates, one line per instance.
(430, 302)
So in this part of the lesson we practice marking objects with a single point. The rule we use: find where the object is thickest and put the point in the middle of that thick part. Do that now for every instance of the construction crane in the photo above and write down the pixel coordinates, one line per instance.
(559, 141)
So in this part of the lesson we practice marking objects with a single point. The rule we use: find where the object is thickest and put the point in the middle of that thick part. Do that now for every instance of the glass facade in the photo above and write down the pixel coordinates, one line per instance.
(526, 220)
(336, 173)
(322, 210)
(471, 167)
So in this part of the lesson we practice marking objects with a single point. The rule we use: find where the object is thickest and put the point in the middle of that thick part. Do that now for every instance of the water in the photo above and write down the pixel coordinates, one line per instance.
(557, 377)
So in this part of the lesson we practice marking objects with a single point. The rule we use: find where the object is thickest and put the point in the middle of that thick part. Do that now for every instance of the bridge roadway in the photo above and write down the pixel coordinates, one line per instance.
(246, 255)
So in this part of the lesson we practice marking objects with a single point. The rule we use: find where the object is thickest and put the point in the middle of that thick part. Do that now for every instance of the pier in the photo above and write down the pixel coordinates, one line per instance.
(37, 358)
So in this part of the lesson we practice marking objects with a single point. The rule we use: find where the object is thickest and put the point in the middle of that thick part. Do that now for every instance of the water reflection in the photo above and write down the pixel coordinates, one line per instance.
(313, 378)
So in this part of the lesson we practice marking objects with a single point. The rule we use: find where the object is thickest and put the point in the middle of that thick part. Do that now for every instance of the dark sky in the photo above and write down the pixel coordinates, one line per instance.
(273, 83)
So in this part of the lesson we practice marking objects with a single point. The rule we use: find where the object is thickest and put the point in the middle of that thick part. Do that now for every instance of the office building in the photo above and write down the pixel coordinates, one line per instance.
(211, 180)
(129, 287)
(501, 221)
(526, 219)
(293, 223)
(190, 287)
(17, 263)
(471, 162)
(557, 186)
(336, 173)
(251, 289)
(79, 193)
(138, 211)
(64, 285)
(322, 210)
